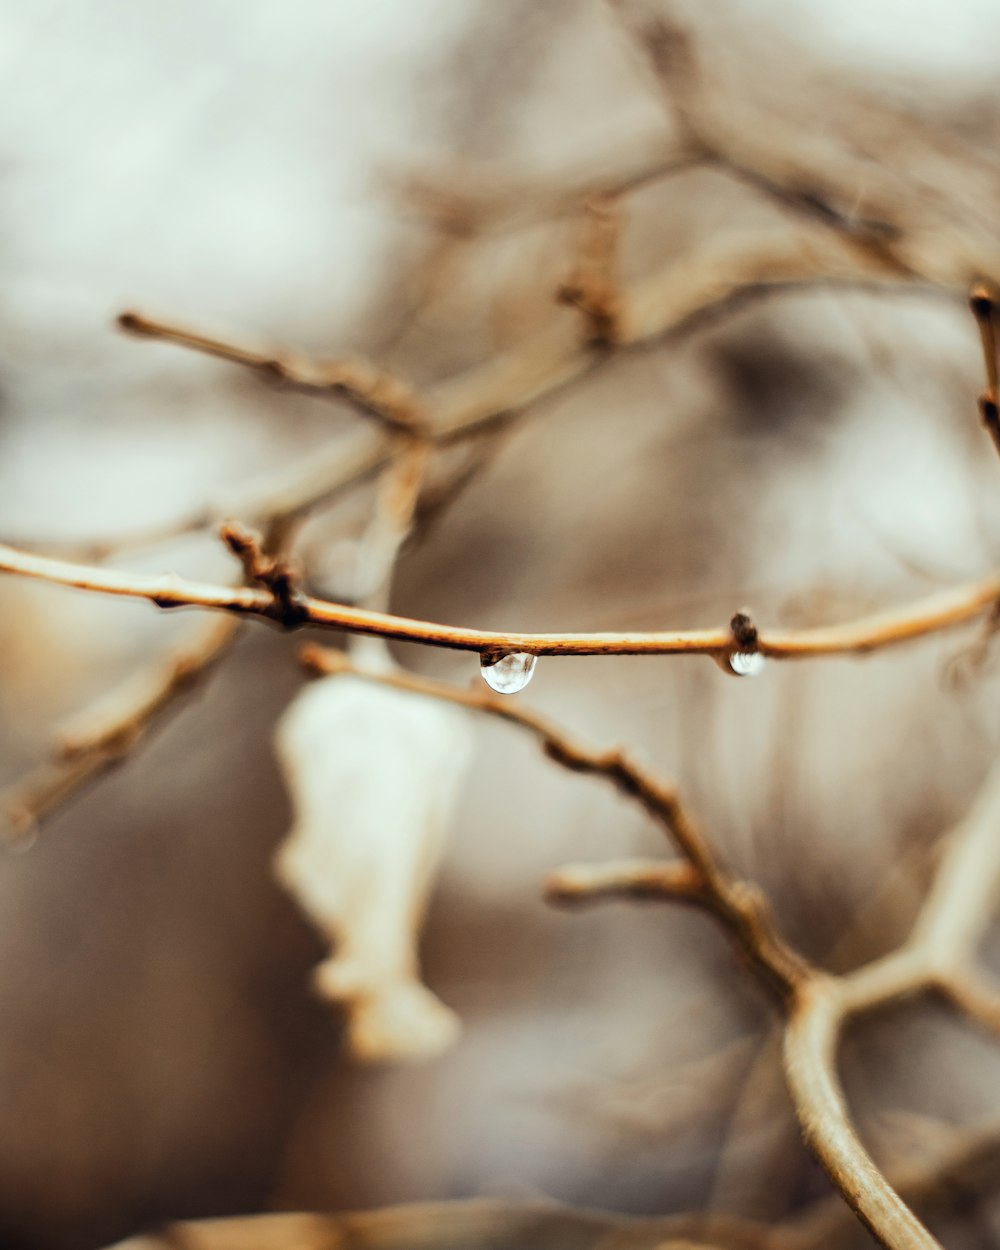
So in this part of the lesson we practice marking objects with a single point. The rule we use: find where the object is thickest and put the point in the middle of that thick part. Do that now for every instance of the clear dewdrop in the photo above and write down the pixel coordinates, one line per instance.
(507, 674)
(746, 663)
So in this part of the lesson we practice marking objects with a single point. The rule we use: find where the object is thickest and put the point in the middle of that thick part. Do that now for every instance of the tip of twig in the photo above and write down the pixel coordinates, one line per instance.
(561, 889)
(982, 301)
(238, 538)
(132, 323)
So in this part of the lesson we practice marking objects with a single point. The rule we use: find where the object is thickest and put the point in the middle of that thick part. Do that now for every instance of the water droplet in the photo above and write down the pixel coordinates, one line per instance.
(507, 674)
(746, 663)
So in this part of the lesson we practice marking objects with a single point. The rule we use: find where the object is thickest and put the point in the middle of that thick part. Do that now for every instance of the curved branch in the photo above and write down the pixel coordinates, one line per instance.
(810, 1067)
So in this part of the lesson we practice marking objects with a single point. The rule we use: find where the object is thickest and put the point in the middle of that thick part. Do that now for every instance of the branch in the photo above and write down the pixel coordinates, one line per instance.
(879, 630)
(577, 884)
(749, 153)
(975, 996)
(706, 285)
(983, 302)
(816, 1004)
(504, 198)
(811, 1038)
(737, 904)
(943, 939)
(280, 497)
(966, 1169)
(101, 737)
(370, 391)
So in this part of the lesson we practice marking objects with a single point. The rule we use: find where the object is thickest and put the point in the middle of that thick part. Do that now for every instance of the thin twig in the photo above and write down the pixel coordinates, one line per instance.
(370, 391)
(101, 737)
(576, 884)
(738, 904)
(983, 302)
(685, 295)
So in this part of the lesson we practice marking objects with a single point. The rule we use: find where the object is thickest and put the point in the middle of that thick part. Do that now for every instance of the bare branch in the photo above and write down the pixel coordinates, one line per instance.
(983, 302)
(369, 390)
(739, 905)
(817, 1005)
(810, 1067)
(101, 737)
(630, 878)
(885, 629)
(489, 200)
(975, 996)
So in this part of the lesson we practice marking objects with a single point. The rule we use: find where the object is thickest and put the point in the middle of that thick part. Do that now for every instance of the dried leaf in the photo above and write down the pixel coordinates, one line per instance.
(373, 774)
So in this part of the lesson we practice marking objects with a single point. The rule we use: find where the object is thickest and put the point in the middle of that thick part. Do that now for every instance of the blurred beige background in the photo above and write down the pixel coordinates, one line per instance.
(812, 456)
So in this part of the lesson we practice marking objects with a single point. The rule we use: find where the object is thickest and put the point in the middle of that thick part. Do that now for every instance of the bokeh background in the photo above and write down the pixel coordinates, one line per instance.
(281, 174)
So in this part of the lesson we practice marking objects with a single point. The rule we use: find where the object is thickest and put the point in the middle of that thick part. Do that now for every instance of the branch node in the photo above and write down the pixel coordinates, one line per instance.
(287, 607)
(744, 631)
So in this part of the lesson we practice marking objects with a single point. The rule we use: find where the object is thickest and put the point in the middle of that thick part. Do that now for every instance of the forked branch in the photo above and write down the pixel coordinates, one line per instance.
(815, 1005)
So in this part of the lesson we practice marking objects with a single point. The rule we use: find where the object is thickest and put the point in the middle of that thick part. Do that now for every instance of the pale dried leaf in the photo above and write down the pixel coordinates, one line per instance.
(373, 774)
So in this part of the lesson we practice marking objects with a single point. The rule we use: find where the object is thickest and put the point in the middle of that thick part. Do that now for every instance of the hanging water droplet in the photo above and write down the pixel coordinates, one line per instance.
(507, 674)
(746, 663)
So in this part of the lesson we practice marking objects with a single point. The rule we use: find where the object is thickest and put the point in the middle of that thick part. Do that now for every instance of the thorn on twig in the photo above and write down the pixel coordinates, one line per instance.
(744, 632)
(277, 576)
(989, 413)
(983, 304)
(246, 547)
